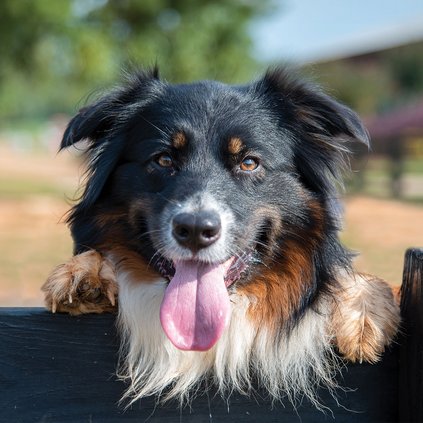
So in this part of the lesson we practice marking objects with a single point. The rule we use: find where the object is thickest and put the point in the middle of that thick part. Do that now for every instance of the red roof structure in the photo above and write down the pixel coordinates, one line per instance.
(398, 123)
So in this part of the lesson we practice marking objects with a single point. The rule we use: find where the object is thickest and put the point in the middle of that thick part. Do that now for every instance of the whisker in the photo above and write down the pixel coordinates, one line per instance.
(175, 202)
(154, 126)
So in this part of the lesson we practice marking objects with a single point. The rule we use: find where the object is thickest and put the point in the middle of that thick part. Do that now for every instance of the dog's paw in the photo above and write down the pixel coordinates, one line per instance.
(366, 318)
(84, 284)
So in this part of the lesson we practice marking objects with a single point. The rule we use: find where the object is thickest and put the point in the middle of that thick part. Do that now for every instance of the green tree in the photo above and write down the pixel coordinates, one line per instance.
(53, 52)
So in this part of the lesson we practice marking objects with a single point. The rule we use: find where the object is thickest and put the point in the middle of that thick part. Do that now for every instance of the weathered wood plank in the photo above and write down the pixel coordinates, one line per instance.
(58, 368)
(411, 351)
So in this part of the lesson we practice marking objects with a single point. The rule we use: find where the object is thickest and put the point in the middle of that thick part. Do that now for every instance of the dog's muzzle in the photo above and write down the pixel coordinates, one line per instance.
(199, 262)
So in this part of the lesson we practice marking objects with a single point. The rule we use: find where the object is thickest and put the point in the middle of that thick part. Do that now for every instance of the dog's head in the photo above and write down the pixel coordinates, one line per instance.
(211, 183)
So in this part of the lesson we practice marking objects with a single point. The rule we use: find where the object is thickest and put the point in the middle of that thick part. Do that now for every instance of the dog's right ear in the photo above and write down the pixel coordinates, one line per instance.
(95, 122)
(90, 123)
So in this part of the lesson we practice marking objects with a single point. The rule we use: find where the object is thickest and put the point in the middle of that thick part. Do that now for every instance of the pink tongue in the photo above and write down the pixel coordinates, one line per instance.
(196, 308)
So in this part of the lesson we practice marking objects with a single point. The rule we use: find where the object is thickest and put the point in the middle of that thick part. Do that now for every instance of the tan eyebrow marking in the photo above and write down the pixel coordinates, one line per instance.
(235, 145)
(179, 140)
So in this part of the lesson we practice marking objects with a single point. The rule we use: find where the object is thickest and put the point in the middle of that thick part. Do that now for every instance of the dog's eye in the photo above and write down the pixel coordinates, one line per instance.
(164, 160)
(249, 164)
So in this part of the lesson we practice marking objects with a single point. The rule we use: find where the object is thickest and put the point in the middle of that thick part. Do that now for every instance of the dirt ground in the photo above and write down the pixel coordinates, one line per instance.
(33, 237)
(381, 231)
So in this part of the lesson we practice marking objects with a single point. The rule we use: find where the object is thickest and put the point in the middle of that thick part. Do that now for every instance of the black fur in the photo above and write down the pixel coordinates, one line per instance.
(298, 134)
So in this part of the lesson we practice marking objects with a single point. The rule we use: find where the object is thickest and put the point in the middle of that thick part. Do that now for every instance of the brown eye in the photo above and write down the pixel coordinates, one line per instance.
(249, 164)
(164, 160)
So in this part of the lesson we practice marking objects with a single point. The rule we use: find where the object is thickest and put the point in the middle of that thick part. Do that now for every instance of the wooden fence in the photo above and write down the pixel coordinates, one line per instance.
(58, 368)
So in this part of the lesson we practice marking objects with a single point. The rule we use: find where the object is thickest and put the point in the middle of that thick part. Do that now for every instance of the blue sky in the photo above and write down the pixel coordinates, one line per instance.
(306, 30)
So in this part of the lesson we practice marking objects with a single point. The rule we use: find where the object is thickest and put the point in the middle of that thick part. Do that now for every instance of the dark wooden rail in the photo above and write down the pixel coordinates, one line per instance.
(57, 368)
(411, 351)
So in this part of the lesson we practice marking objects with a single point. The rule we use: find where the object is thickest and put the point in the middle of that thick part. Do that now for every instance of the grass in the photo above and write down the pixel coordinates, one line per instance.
(20, 188)
(414, 166)
(380, 166)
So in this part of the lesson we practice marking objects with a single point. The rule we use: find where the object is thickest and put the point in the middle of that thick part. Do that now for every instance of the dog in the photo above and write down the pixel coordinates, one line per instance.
(209, 221)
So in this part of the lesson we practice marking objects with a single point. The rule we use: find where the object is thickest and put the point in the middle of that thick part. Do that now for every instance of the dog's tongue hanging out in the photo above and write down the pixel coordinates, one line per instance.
(196, 307)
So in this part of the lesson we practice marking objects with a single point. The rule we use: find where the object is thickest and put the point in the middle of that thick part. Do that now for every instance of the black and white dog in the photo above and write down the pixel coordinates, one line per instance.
(211, 212)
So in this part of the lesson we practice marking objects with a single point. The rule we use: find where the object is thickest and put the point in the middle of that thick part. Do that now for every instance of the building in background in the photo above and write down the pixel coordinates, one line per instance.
(386, 87)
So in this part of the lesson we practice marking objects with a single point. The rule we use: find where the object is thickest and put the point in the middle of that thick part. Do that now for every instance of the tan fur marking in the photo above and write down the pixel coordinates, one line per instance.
(277, 291)
(366, 317)
(317, 215)
(396, 292)
(235, 145)
(128, 261)
(84, 284)
(179, 140)
(110, 218)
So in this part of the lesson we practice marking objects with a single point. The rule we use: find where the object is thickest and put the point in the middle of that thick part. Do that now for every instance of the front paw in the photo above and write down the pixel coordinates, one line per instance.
(84, 284)
(366, 318)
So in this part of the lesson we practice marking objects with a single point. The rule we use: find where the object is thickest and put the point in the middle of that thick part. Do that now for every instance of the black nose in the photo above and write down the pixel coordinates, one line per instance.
(196, 230)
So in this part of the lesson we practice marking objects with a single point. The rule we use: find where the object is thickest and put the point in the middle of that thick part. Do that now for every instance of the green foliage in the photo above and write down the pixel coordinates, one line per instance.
(376, 82)
(406, 65)
(53, 53)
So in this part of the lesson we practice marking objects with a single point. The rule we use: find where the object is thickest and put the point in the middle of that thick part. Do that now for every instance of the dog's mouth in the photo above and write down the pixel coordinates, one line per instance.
(196, 307)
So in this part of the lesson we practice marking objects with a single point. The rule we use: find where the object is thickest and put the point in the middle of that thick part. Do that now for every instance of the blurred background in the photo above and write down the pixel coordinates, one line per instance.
(56, 56)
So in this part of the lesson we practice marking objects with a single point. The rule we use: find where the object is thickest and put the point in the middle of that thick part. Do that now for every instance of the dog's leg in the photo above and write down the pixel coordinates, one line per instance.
(366, 317)
(84, 284)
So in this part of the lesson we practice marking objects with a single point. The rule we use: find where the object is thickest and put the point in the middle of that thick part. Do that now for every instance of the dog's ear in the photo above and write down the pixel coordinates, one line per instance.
(99, 125)
(322, 128)
(94, 123)
(91, 123)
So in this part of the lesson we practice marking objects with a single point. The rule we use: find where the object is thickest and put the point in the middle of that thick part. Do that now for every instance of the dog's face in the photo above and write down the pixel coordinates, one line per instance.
(209, 183)
(206, 174)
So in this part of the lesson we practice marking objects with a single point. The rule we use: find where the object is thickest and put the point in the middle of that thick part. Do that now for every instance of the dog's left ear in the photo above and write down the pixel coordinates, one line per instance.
(322, 128)
(99, 125)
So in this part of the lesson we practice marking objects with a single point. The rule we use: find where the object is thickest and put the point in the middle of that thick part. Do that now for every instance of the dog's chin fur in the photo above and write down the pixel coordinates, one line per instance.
(292, 366)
